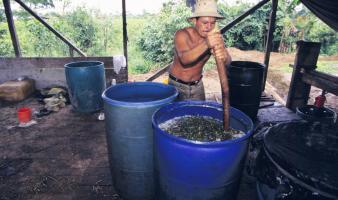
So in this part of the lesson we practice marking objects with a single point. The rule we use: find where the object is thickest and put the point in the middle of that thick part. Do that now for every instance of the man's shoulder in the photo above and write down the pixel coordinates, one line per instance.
(184, 32)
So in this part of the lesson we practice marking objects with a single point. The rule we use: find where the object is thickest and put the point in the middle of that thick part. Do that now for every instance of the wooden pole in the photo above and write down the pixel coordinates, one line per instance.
(306, 59)
(125, 34)
(11, 27)
(225, 92)
(268, 48)
(59, 35)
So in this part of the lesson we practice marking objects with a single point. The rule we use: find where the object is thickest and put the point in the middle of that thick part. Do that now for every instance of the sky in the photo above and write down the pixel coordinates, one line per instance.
(132, 6)
(115, 6)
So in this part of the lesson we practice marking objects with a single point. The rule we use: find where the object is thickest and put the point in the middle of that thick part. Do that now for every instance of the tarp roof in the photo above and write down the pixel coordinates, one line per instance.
(326, 10)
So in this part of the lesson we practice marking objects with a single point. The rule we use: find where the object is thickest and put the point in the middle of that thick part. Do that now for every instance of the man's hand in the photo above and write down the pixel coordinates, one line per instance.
(216, 43)
(214, 38)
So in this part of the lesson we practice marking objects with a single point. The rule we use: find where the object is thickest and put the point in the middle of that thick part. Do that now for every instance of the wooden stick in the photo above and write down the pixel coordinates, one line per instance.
(222, 73)
(225, 92)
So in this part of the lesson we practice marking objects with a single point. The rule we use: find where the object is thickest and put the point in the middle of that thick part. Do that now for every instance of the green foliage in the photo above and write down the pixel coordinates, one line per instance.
(250, 33)
(2, 15)
(156, 40)
(320, 32)
(83, 27)
(5, 44)
(150, 37)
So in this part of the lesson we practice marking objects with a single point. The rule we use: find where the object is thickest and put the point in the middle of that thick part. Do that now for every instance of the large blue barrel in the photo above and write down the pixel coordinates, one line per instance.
(86, 82)
(128, 110)
(191, 170)
(245, 86)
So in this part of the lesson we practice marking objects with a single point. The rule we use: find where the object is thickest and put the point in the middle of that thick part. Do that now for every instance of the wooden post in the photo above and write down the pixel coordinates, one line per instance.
(268, 47)
(306, 59)
(125, 34)
(11, 27)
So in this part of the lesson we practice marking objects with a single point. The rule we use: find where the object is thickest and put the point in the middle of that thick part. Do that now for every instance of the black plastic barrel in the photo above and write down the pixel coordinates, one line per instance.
(245, 85)
(86, 82)
(128, 110)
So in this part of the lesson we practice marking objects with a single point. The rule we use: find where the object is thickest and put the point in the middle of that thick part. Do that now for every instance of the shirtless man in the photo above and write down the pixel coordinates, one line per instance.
(193, 48)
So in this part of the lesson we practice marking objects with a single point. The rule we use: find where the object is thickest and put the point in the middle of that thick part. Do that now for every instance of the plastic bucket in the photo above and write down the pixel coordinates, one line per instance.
(24, 115)
(245, 86)
(128, 110)
(86, 82)
(190, 170)
(312, 113)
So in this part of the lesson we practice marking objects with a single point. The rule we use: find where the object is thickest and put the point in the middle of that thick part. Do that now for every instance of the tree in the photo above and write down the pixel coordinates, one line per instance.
(156, 40)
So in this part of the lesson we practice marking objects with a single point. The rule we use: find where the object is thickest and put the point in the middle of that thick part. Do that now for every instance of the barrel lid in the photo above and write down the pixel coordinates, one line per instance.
(307, 151)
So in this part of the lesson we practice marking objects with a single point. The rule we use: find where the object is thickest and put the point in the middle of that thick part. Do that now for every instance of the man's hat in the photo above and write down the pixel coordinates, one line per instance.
(206, 8)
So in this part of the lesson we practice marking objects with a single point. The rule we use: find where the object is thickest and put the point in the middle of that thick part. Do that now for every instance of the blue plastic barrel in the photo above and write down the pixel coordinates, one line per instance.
(191, 170)
(86, 82)
(128, 110)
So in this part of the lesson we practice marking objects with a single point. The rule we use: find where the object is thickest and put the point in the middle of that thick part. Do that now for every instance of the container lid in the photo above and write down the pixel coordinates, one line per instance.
(308, 151)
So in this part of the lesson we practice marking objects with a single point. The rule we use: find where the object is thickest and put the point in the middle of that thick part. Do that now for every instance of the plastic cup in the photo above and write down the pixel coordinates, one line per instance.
(24, 115)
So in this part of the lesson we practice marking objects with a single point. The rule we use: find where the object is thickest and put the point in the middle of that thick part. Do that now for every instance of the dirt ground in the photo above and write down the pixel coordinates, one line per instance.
(277, 81)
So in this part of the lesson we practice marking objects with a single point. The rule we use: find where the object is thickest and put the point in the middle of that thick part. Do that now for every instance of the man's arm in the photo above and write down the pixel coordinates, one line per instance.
(188, 55)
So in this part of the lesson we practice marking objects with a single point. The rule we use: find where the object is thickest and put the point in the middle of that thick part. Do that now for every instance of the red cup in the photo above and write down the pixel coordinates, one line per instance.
(24, 115)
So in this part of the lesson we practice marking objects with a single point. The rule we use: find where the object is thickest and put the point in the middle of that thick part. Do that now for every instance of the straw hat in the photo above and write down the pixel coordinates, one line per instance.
(206, 8)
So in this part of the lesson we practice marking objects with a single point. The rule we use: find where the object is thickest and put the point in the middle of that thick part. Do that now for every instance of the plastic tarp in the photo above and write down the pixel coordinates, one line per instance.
(326, 10)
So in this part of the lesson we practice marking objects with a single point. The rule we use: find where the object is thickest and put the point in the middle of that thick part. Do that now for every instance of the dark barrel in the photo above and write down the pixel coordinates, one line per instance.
(191, 170)
(245, 85)
(86, 82)
(128, 110)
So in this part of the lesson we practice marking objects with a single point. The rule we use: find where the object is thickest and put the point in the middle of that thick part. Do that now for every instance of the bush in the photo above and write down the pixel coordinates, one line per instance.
(156, 39)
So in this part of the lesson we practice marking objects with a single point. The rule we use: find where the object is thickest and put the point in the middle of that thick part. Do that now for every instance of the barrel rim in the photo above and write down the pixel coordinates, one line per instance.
(139, 104)
(261, 65)
(300, 112)
(99, 63)
(211, 104)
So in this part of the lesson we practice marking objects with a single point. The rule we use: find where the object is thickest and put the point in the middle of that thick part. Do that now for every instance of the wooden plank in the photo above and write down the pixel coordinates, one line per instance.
(50, 71)
(322, 75)
(159, 73)
(323, 81)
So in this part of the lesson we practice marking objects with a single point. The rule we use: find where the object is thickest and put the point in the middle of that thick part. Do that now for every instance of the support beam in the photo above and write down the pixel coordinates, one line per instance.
(159, 72)
(11, 27)
(321, 80)
(59, 35)
(268, 47)
(241, 17)
(299, 91)
(125, 34)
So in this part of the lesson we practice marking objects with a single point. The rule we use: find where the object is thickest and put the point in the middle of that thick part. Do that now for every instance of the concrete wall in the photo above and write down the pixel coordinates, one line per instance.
(50, 71)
